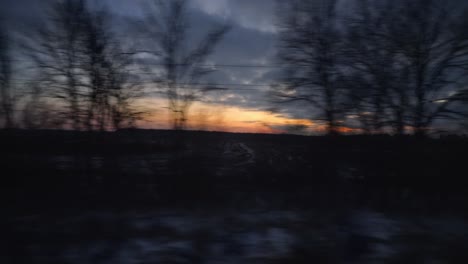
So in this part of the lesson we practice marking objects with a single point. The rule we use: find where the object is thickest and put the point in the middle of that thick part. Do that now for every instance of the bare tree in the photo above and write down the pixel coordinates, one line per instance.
(167, 26)
(55, 48)
(110, 88)
(84, 68)
(377, 82)
(310, 47)
(7, 99)
(408, 60)
(434, 44)
(37, 113)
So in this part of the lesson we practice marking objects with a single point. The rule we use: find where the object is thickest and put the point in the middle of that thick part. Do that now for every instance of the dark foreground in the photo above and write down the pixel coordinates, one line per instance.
(198, 197)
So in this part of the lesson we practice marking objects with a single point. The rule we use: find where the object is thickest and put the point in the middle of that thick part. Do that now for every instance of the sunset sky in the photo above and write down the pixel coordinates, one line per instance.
(231, 118)
(245, 106)
(245, 63)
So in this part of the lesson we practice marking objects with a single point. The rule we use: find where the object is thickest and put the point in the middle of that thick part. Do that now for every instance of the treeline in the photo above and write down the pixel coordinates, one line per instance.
(362, 66)
(80, 80)
(90, 66)
(376, 66)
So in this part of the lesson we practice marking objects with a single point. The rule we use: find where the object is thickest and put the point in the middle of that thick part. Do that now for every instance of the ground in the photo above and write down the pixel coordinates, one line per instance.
(198, 197)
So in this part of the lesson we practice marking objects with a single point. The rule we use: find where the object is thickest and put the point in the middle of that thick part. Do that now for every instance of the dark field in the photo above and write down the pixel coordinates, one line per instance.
(138, 196)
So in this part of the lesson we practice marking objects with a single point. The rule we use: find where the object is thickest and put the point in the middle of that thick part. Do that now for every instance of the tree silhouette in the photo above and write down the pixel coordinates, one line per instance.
(410, 57)
(377, 83)
(84, 68)
(167, 28)
(55, 48)
(434, 44)
(110, 86)
(310, 46)
(7, 99)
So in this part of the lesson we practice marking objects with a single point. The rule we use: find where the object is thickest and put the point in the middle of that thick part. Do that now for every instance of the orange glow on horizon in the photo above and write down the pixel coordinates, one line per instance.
(215, 117)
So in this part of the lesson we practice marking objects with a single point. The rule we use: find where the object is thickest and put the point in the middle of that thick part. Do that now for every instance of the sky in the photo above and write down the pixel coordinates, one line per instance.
(247, 105)
(251, 41)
